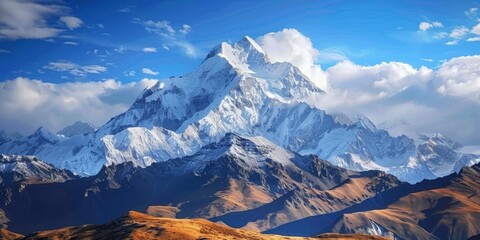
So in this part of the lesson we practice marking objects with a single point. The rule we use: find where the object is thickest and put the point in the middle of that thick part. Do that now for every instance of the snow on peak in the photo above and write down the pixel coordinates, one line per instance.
(45, 134)
(77, 128)
(254, 151)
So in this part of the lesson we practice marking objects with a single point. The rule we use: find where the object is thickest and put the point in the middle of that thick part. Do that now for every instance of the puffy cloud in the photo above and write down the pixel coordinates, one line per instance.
(23, 99)
(424, 26)
(437, 24)
(352, 85)
(71, 22)
(149, 50)
(289, 45)
(149, 71)
(415, 100)
(459, 32)
(171, 37)
(460, 77)
(27, 19)
(75, 69)
(476, 29)
(473, 39)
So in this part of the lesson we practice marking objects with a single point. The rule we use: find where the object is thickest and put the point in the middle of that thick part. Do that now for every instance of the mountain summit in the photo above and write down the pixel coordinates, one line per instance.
(236, 89)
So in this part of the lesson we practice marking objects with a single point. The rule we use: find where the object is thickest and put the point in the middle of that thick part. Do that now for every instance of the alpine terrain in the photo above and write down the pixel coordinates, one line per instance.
(236, 89)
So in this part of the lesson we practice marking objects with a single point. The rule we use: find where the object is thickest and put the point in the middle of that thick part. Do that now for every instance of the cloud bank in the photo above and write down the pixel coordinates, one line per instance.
(28, 103)
(396, 95)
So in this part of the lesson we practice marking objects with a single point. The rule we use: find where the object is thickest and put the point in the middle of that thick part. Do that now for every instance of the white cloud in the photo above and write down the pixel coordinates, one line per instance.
(129, 73)
(289, 45)
(23, 99)
(472, 13)
(428, 100)
(426, 59)
(126, 9)
(70, 43)
(460, 77)
(440, 35)
(185, 29)
(476, 29)
(75, 69)
(149, 50)
(149, 71)
(4, 51)
(424, 26)
(71, 22)
(437, 24)
(473, 39)
(452, 43)
(27, 19)
(171, 38)
(459, 32)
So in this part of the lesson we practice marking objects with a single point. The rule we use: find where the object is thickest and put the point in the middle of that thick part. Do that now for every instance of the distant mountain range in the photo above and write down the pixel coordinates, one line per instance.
(244, 142)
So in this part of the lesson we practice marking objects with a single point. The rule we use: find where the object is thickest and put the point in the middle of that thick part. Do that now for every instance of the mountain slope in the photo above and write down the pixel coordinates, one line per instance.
(135, 225)
(443, 156)
(235, 89)
(444, 208)
(235, 174)
(77, 128)
(29, 169)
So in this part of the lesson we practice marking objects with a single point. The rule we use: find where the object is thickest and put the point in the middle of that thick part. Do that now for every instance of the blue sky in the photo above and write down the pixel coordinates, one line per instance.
(413, 65)
(113, 34)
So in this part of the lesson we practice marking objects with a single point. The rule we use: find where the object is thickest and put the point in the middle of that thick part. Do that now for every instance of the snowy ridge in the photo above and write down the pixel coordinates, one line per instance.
(443, 156)
(77, 128)
(235, 90)
(14, 168)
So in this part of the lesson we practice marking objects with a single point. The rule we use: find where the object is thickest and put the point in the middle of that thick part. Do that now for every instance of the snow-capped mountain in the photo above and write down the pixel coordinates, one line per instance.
(242, 181)
(15, 168)
(236, 89)
(32, 144)
(77, 128)
(443, 156)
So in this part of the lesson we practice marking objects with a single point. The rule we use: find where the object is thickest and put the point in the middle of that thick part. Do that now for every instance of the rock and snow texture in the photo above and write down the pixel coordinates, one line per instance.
(15, 168)
(77, 128)
(236, 90)
(444, 156)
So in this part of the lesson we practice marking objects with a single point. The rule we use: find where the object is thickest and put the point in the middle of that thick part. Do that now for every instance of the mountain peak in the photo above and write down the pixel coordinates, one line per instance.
(248, 43)
(77, 128)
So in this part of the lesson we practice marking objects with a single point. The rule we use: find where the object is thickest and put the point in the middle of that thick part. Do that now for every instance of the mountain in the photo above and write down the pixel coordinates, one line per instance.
(443, 156)
(4, 136)
(444, 208)
(266, 185)
(29, 169)
(236, 89)
(77, 128)
(135, 225)
(32, 144)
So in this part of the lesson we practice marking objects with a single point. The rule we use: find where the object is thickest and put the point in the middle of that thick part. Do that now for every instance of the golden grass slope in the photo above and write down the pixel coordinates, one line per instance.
(136, 225)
